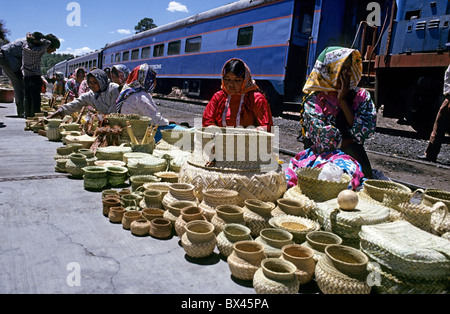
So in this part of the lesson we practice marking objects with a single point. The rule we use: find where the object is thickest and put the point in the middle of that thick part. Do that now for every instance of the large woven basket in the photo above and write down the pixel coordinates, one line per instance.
(265, 186)
(407, 251)
(240, 268)
(392, 192)
(299, 227)
(198, 250)
(320, 190)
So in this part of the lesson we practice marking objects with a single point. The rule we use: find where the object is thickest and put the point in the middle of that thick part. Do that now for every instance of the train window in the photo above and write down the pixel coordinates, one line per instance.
(305, 27)
(126, 56)
(112, 58)
(158, 51)
(94, 64)
(193, 44)
(145, 54)
(135, 54)
(174, 48)
(245, 36)
(117, 57)
(90, 65)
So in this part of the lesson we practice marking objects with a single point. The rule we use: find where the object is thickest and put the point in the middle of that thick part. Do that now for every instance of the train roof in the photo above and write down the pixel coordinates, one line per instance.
(213, 13)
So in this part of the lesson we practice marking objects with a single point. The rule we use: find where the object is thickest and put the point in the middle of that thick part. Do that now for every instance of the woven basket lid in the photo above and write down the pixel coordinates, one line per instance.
(406, 249)
(348, 223)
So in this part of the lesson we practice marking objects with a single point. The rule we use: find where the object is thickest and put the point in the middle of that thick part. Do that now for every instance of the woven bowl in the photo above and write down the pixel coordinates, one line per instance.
(432, 196)
(249, 250)
(276, 237)
(348, 260)
(236, 232)
(230, 213)
(160, 228)
(278, 269)
(291, 207)
(167, 176)
(199, 231)
(377, 189)
(175, 207)
(191, 213)
(319, 240)
(259, 207)
(152, 213)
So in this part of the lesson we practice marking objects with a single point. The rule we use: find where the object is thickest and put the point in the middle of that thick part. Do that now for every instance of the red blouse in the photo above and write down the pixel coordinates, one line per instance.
(255, 111)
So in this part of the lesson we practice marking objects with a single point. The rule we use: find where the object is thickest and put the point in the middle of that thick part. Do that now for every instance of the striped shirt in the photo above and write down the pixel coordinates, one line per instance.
(31, 57)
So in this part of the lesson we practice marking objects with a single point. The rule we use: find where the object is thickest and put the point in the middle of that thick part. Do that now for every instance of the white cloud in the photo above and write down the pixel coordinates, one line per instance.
(61, 39)
(77, 51)
(177, 7)
(124, 31)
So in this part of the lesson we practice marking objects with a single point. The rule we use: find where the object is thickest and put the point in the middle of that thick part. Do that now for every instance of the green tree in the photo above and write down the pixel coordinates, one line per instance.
(144, 25)
(49, 60)
(4, 33)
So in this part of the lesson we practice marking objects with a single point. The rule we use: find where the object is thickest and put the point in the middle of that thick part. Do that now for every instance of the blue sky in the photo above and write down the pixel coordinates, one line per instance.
(101, 21)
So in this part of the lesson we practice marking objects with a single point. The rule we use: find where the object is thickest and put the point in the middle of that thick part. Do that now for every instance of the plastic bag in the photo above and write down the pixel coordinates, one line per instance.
(331, 172)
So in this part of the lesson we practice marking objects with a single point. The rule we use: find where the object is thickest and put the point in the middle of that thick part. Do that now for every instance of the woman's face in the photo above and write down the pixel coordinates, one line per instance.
(118, 79)
(80, 76)
(93, 84)
(345, 73)
(233, 83)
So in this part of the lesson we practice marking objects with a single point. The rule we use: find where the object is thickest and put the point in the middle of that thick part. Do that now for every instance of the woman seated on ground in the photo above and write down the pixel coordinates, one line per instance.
(101, 97)
(58, 85)
(239, 103)
(73, 84)
(119, 75)
(338, 117)
(136, 98)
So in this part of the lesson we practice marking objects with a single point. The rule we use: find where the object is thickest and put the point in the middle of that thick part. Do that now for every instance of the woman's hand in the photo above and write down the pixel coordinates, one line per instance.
(55, 114)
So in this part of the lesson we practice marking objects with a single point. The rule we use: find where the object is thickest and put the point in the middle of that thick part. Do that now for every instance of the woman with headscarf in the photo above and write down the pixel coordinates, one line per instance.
(102, 96)
(74, 82)
(136, 98)
(239, 102)
(338, 116)
(58, 85)
(119, 75)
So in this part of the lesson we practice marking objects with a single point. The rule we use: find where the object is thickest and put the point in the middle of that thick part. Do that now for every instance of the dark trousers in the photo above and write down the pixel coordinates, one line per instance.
(33, 86)
(17, 83)
(441, 125)
(358, 152)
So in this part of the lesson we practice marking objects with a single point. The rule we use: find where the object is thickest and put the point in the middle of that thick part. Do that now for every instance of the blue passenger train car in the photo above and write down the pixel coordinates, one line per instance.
(274, 37)
(86, 61)
(412, 60)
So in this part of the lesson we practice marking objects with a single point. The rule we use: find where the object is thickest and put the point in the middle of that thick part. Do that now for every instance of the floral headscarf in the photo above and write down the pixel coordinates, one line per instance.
(123, 69)
(324, 76)
(248, 85)
(142, 78)
(101, 78)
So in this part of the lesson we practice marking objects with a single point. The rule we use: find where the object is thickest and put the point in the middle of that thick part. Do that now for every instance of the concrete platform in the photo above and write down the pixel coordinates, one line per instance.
(54, 238)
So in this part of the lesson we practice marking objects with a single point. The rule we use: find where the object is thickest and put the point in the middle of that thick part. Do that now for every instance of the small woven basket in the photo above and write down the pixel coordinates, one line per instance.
(199, 249)
(320, 190)
(432, 196)
(240, 268)
(380, 190)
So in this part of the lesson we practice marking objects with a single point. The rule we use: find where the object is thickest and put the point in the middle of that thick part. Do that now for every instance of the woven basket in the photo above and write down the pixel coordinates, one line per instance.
(432, 196)
(139, 180)
(265, 186)
(332, 281)
(231, 234)
(406, 250)
(85, 140)
(347, 224)
(179, 192)
(387, 283)
(382, 191)
(160, 186)
(183, 138)
(199, 249)
(273, 241)
(255, 222)
(146, 166)
(216, 197)
(240, 268)
(320, 190)
(264, 284)
(167, 176)
(161, 228)
(319, 240)
(299, 227)
(308, 205)
(227, 214)
(303, 258)
(112, 152)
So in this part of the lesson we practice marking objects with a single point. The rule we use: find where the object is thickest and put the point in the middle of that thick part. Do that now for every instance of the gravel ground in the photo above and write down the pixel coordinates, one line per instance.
(389, 149)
